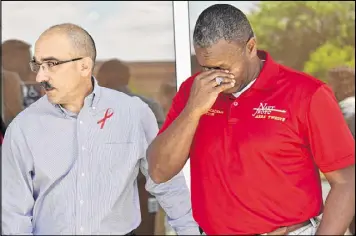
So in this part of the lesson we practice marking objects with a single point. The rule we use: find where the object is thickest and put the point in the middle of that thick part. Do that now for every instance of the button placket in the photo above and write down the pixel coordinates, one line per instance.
(232, 119)
(83, 152)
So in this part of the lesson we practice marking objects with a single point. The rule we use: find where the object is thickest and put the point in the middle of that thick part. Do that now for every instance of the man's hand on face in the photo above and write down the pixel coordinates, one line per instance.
(206, 88)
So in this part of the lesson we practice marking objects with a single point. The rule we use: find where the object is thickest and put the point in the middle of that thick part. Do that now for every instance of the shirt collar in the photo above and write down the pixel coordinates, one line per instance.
(95, 95)
(237, 94)
(91, 100)
(267, 79)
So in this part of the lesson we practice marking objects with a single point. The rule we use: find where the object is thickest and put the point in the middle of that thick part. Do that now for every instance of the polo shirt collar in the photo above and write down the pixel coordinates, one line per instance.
(267, 79)
(237, 94)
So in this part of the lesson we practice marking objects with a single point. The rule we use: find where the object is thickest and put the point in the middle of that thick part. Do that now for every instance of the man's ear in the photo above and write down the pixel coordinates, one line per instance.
(251, 47)
(86, 65)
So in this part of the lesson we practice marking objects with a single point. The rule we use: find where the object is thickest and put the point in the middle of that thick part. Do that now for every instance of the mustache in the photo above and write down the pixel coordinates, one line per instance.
(46, 85)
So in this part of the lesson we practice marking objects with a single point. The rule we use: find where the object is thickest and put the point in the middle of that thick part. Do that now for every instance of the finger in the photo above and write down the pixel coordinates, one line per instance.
(215, 73)
(223, 87)
(222, 77)
(220, 80)
(204, 74)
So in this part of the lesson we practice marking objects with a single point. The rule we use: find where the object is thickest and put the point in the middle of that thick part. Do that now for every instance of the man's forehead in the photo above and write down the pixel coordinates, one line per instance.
(210, 58)
(216, 54)
(55, 47)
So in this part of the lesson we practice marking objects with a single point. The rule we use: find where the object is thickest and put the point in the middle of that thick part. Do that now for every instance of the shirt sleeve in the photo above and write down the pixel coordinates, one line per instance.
(330, 139)
(17, 188)
(174, 195)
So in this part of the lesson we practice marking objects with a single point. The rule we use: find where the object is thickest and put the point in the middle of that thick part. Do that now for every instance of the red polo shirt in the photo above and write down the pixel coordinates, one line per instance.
(253, 157)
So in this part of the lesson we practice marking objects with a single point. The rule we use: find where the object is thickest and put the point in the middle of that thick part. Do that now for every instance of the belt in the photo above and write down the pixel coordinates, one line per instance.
(285, 229)
(288, 229)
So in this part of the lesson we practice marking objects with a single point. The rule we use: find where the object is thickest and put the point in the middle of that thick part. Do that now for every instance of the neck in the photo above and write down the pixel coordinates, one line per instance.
(255, 70)
(77, 101)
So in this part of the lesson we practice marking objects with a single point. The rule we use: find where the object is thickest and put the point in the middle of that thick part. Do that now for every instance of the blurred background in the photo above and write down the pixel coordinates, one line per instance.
(136, 52)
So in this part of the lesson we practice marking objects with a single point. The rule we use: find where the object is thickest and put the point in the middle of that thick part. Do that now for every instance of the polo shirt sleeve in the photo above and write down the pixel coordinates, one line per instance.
(330, 139)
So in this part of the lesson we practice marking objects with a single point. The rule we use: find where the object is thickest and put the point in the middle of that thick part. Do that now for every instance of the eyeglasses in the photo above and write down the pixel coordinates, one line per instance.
(47, 65)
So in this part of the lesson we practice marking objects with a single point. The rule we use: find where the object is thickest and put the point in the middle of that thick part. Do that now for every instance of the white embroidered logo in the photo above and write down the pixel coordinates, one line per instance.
(264, 109)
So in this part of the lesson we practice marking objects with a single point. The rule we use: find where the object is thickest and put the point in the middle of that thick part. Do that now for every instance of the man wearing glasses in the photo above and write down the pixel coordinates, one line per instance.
(71, 159)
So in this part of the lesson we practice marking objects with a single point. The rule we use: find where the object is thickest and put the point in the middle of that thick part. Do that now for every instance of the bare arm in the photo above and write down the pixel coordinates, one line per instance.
(333, 148)
(168, 153)
(340, 203)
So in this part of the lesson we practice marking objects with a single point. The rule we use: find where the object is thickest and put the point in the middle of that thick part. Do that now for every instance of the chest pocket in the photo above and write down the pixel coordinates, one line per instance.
(115, 156)
(116, 144)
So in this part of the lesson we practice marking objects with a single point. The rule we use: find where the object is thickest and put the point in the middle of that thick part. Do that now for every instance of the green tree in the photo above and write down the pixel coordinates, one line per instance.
(296, 32)
(329, 56)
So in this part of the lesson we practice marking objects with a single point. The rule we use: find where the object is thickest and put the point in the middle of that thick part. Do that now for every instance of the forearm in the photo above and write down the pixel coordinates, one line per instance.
(169, 152)
(339, 210)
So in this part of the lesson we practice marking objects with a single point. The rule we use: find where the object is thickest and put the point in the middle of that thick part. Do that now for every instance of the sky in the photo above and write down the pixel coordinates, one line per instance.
(130, 31)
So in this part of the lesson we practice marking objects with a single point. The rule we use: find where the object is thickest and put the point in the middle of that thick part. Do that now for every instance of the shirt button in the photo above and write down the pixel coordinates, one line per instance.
(83, 148)
(93, 108)
(80, 122)
(83, 174)
(81, 202)
(81, 229)
(235, 104)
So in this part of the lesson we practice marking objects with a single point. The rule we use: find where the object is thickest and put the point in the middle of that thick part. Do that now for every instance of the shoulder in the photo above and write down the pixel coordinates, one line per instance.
(301, 88)
(130, 105)
(300, 80)
(183, 92)
(187, 84)
(153, 104)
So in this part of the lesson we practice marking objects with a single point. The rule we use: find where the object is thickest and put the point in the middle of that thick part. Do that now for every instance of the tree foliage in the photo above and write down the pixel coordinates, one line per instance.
(304, 35)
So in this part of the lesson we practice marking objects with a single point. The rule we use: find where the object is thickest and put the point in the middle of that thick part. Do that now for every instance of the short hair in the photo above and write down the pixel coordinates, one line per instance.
(221, 21)
(81, 40)
(342, 81)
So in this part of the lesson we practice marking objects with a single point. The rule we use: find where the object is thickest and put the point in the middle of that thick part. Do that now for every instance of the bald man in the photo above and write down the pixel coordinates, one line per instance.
(72, 158)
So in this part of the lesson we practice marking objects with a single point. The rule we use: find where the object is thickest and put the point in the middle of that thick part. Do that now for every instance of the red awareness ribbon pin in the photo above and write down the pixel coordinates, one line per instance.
(106, 116)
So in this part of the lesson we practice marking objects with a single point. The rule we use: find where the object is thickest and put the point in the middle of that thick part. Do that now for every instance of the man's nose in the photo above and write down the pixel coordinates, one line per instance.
(41, 76)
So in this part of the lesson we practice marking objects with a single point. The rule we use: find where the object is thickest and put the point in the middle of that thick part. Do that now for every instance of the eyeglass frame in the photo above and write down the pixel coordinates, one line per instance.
(55, 62)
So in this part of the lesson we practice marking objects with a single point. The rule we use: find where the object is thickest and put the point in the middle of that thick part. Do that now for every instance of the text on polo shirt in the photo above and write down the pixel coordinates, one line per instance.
(263, 111)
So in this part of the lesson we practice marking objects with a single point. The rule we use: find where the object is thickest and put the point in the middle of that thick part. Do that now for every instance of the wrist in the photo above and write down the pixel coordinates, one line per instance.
(192, 114)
